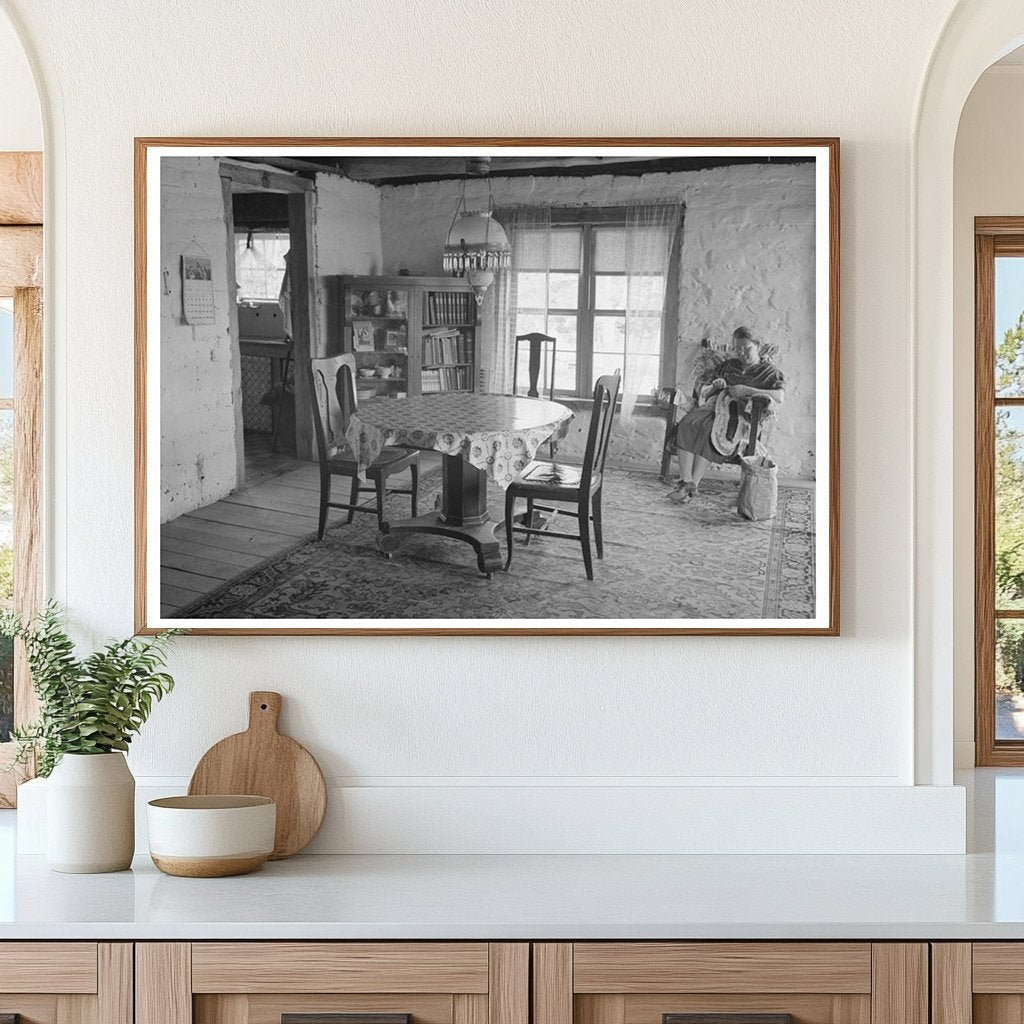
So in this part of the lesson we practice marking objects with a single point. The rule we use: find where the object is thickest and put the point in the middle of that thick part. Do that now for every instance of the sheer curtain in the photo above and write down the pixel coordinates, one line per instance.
(529, 231)
(649, 238)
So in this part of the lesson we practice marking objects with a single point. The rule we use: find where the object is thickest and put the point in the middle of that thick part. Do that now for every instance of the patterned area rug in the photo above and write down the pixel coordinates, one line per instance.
(661, 560)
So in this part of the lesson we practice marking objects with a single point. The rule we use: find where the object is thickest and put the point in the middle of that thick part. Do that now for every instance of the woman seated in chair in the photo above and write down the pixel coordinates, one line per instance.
(745, 374)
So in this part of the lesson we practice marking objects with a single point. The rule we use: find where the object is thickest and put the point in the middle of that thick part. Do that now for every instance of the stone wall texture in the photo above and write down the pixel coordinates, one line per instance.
(200, 387)
(748, 258)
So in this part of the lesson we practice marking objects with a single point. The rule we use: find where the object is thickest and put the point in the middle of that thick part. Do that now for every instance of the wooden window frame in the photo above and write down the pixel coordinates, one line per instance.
(993, 237)
(21, 270)
(588, 219)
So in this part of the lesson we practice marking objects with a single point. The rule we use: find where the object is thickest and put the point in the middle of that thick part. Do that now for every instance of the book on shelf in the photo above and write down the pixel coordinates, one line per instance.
(445, 378)
(450, 308)
(446, 346)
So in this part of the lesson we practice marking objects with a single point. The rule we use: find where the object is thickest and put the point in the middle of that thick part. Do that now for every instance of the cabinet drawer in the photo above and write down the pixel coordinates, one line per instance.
(633, 967)
(730, 983)
(332, 983)
(340, 967)
(65, 967)
(66, 982)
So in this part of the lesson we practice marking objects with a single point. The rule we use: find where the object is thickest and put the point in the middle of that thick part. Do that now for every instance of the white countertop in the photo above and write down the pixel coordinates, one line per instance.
(497, 897)
(977, 896)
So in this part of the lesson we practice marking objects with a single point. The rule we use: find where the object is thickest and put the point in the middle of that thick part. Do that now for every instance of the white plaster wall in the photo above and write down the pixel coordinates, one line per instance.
(449, 711)
(347, 239)
(747, 258)
(987, 182)
(198, 443)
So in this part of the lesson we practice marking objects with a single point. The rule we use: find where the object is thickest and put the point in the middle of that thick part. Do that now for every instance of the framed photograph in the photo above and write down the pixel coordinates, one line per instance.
(362, 336)
(668, 465)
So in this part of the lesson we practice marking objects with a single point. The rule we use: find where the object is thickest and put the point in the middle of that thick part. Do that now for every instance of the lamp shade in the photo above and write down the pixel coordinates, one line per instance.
(476, 242)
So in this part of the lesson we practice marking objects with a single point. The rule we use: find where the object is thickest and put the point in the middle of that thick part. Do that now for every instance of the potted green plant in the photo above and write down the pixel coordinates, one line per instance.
(90, 708)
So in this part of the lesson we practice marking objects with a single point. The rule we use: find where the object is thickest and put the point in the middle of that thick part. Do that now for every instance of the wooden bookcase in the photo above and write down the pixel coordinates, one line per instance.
(410, 335)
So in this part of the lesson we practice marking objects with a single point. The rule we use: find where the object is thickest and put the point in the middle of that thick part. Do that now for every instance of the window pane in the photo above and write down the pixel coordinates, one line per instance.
(528, 323)
(564, 329)
(610, 250)
(606, 362)
(634, 250)
(259, 264)
(610, 291)
(531, 290)
(1009, 524)
(543, 249)
(609, 334)
(644, 335)
(6, 567)
(1009, 708)
(563, 291)
(6, 354)
(565, 248)
(646, 291)
(1009, 326)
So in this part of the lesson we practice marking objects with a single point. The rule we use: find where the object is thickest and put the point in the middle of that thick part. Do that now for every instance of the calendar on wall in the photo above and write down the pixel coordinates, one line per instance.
(197, 289)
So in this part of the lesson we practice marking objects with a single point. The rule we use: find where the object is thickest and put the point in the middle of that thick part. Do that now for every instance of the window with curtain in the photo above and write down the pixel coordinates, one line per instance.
(597, 281)
(259, 263)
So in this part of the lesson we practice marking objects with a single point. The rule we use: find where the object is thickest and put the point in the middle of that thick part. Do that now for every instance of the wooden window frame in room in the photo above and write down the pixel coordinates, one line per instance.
(21, 278)
(993, 236)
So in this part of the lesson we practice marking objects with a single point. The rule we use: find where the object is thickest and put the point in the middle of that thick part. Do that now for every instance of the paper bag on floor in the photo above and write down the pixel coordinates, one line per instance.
(759, 487)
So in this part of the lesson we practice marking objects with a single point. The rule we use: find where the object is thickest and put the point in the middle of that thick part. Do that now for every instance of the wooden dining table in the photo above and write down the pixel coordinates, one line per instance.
(480, 437)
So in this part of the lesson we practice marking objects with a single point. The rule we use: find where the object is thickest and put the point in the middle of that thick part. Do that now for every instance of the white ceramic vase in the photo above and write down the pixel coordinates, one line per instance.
(90, 814)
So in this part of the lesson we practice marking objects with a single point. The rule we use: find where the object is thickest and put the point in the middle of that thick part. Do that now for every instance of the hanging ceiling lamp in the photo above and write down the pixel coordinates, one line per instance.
(477, 245)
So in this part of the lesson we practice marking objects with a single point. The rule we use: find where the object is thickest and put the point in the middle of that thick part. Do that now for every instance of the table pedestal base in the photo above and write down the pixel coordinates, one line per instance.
(463, 515)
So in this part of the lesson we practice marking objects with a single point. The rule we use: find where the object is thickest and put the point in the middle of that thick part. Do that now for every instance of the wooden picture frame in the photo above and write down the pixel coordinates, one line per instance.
(287, 166)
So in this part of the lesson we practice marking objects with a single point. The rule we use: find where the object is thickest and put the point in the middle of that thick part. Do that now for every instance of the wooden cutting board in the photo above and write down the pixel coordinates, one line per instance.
(262, 762)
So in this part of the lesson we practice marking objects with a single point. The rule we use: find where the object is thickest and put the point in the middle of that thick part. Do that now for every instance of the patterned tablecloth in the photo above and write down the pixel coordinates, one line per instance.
(496, 433)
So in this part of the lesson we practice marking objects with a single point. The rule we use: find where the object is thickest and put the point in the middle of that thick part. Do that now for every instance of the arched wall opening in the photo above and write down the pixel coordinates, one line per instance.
(976, 35)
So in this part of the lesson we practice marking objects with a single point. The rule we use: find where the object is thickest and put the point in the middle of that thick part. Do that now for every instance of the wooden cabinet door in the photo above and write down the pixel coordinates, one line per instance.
(66, 982)
(978, 983)
(332, 983)
(730, 983)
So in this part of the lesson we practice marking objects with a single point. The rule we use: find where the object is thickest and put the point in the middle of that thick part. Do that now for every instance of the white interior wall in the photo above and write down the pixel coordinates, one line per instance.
(987, 182)
(747, 259)
(21, 126)
(199, 436)
(678, 712)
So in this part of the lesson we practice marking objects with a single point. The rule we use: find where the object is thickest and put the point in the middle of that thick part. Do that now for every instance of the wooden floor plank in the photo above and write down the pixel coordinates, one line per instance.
(212, 568)
(175, 597)
(292, 500)
(174, 546)
(242, 517)
(200, 582)
(191, 581)
(251, 542)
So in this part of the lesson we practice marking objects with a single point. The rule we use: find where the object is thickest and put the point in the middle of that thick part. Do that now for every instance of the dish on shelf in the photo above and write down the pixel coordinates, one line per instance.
(366, 371)
(385, 371)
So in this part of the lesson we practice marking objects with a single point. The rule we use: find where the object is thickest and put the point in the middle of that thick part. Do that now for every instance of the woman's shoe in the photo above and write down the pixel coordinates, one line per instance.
(683, 493)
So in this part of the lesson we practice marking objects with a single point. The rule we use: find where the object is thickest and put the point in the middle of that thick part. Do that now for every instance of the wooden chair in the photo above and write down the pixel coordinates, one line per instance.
(552, 481)
(332, 382)
(537, 341)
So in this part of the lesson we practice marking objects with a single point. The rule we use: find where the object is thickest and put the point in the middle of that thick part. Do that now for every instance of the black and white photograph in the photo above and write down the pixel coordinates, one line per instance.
(452, 386)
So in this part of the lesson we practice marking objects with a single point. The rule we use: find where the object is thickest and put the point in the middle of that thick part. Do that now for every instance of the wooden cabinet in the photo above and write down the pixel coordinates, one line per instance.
(307, 982)
(980, 982)
(409, 335)
(66, 982)
(760, 982)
